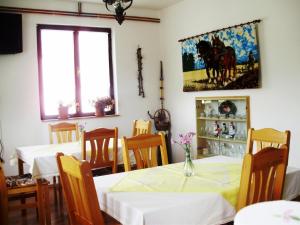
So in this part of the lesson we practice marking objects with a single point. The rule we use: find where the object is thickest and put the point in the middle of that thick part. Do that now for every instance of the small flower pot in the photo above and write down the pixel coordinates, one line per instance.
(99, 111)
(63, 112)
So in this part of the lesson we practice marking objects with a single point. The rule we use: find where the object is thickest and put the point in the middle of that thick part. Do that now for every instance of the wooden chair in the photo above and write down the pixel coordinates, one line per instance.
(141, 127)
(263, 176)
(20, 188)
(144, 147)
(80, 193)
(266, 137)
(98, 154)
(64, 132)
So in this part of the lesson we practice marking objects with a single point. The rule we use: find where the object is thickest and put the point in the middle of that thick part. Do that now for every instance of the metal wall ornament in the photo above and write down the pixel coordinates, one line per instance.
(119, 7)
(161, 117)
(140, 68)
(222, 59)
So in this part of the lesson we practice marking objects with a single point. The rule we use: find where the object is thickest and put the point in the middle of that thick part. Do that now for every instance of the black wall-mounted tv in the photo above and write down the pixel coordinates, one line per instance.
(10, 33)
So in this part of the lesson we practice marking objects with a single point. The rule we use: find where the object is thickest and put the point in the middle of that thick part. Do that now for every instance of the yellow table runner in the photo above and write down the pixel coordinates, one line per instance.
(222, 178)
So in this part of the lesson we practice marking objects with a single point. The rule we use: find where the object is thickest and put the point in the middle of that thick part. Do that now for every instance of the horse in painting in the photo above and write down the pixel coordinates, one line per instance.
(219, 58)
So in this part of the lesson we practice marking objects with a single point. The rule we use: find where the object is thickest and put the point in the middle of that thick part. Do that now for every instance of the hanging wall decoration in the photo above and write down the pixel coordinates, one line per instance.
(222, 59)
(140, 68)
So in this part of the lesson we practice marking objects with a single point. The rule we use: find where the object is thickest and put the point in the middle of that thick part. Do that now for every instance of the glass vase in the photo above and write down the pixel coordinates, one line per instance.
(188, 167)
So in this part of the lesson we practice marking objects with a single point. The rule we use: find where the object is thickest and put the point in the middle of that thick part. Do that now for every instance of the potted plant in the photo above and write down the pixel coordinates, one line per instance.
(63, 110)
(102, 105)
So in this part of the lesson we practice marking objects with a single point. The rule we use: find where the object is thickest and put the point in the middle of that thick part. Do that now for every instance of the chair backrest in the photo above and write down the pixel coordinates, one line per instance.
(141, 127)
(63, 132)
(144, 147)
(263, 176)
(266, 137)
(98, 152)
(79, 189)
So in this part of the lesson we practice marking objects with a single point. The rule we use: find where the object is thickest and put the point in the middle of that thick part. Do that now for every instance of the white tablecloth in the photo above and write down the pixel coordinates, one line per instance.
(269, 213)
(42, 158)
(154, 208)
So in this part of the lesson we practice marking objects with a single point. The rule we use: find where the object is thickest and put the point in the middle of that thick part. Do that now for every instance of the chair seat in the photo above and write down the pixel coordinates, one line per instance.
(20, 188)
(19, 184)
(19, 180)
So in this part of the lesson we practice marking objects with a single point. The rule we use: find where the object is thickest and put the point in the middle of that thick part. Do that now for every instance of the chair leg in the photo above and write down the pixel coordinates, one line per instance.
(60, 195)
(24, 212)
(43, 203)
(55, 192)
(3, 208)
(47, 205)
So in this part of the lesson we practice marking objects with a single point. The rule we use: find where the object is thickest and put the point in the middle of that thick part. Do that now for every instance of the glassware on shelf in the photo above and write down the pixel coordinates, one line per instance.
(223, 149)
(210, 147)
(241, 150)
(238, 134)
(206, 131)
(232, 152)
(216, 147)
(208, 110)
(202, 133)
(243, 135)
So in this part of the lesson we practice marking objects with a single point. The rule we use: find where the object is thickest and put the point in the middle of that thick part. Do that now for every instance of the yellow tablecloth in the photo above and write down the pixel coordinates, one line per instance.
(222, 178)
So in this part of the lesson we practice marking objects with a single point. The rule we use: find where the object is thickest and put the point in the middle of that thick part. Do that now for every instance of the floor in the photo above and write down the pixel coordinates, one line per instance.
(58, 214)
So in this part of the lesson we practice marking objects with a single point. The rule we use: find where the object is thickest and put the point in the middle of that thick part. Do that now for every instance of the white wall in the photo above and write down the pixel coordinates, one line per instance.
(276, 104)
(19, 99)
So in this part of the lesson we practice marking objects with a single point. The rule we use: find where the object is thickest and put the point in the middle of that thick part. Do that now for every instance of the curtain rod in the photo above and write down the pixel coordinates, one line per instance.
(79, 13)
(254, 21)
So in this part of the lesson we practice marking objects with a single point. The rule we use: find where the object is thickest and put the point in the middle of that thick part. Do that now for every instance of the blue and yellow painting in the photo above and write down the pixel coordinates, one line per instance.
(221, 60)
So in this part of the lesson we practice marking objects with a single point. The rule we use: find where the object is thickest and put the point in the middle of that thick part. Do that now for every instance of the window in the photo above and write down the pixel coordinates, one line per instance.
(75, 68)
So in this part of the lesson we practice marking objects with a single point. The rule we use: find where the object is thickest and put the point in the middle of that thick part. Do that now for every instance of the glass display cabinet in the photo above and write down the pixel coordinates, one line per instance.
(222, 125)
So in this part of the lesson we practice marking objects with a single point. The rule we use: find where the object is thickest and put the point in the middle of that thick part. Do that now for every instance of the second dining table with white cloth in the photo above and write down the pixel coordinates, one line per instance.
(146, 197)
(42, 158)
(271, 212)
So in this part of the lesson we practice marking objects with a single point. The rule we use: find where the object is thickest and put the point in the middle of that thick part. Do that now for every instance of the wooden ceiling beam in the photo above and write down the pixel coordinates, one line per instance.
(78, 14)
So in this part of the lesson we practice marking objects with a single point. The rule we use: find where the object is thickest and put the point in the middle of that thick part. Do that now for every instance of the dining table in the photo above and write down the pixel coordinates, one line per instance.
(41, 159)
(279, 212)
(164, 196)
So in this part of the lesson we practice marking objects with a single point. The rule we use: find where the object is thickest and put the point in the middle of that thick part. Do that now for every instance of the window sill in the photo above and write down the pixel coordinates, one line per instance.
(81, 117)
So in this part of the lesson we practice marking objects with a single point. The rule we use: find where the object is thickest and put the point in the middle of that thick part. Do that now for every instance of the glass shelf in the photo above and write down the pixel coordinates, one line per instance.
(241, 141)
(222, 119)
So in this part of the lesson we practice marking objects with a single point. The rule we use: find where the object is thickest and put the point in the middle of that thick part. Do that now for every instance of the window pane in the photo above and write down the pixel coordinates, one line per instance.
(58, 70)
(94, 67)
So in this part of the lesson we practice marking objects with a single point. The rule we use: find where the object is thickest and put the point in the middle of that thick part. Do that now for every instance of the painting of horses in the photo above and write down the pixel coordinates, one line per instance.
(222, 60)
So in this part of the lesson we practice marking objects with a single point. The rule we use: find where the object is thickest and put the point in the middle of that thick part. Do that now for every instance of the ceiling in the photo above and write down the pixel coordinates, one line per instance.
(146, 4)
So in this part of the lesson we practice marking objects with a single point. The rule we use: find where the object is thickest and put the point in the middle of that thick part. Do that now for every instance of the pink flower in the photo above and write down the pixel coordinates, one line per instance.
(185, 140)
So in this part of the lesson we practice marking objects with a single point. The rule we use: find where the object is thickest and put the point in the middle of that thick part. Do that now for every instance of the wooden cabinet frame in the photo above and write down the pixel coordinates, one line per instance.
(208, 114)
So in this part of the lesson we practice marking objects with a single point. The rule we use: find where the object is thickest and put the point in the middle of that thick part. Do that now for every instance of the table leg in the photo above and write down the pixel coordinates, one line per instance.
(20, 166)
(21, 172)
